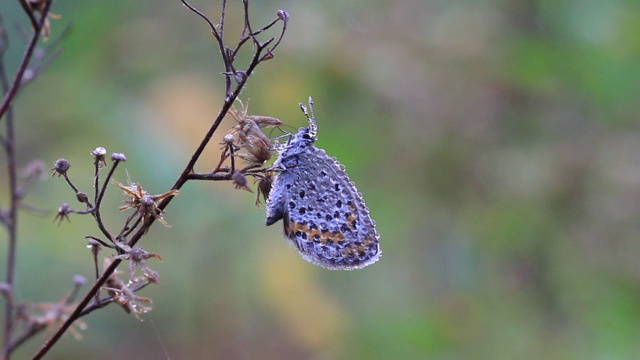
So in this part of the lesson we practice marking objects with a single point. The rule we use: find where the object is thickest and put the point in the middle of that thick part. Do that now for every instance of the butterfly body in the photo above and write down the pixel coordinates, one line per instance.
(323, 214)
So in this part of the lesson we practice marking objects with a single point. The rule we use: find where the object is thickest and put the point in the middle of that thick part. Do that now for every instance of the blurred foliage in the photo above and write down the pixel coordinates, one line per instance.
(496, 143)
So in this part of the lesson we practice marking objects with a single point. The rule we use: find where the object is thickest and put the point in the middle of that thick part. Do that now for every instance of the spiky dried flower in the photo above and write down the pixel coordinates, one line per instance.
(100, 156)
(264, 187)
(240, 181)
(146, 205)
(248, 134)
(136, 257)
(63, 213)
(50, 315)
(60, 167)
(118, 157)
(125, 296)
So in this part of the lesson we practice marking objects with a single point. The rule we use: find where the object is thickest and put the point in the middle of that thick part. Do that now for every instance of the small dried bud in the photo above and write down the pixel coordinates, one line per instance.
(99, 154)
(5, 288)
(228, 139)
(82, 197)
(79, 280)
(264, 187)
(95, 246)
(240, 181)
(248, 134)
(283, 15)
(60, 167)
(99, 151)
(240, 76)
(63, 213)
(118, 157)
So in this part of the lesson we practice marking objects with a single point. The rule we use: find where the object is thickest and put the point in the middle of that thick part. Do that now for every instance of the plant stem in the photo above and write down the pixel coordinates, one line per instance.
(10, 92)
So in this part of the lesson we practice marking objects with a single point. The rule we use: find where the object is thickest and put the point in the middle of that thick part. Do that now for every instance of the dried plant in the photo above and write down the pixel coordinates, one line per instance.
(245, 142)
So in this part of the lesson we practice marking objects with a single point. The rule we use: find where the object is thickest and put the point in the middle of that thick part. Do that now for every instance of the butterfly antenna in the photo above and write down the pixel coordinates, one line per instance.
(313, 128)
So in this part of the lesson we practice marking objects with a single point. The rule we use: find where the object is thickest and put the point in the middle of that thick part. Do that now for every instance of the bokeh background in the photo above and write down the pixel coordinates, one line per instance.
(497, 145)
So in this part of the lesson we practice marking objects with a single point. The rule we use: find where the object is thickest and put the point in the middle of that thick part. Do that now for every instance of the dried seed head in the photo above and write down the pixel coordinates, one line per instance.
(136, 257)
(240, 76)
(60, 167)
(264, 187)
(99, 151)
(118, 157)
(94, 245)
(79, 280)
(5, 288)
(99, 154)
(82, 197)
(240, 181)
(63, 213)
(248, 134)
(283, 15)
(146, 205)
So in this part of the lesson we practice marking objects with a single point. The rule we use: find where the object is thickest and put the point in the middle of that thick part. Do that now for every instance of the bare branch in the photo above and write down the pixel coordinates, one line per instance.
(17, 80)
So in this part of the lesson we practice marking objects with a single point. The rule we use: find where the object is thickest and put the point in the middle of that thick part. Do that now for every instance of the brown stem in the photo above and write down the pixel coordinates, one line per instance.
(26, 58)
(185, 176)
(10, 92)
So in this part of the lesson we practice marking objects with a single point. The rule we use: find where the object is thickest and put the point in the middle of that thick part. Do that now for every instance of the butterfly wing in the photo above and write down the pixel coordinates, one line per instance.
(323, 213)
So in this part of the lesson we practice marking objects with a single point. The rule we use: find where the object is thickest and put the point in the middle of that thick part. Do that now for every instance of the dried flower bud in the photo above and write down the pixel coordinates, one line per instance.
(60, 167)
(99, 151)
(240, 181)
(118, 157)
(248, 134)
(95, 246)
(228, 139)
(264, 187)
(82, 197)
(79, 280)
(5, 288)
(99, 154)
(283, 15)
(63, 213)
(240, 76)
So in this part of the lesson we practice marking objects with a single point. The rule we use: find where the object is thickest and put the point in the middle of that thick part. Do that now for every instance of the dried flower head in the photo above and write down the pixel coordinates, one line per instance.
(60, 167)
(63, 213)
(264, 187)
(146, 205)
(248, 134)
(118, 157)
(82, 197)
(240, 181)
(50, 315)
(100, 156)
(95, 246)
(136, 257)
(125, 296)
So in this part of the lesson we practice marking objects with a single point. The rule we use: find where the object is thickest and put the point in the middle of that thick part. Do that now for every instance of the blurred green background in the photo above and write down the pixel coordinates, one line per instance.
(496, 143)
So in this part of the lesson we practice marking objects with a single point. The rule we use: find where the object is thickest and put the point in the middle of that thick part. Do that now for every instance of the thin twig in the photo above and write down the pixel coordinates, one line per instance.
(9, 143)
(100, 196)
(29, 11)
(17, 80)
(83, 308)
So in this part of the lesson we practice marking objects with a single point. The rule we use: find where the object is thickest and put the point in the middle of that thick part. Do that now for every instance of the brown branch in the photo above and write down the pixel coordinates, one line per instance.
(187, 174)
(9, 96)
(10, 92)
